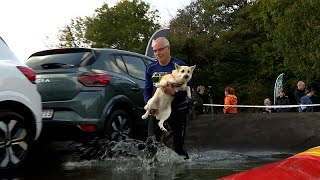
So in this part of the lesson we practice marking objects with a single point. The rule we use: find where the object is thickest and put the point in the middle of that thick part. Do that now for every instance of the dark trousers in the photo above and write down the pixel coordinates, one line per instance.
(177, 124)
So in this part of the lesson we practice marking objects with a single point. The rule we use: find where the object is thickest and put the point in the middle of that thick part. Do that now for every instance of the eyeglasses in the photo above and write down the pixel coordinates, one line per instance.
(159, 50)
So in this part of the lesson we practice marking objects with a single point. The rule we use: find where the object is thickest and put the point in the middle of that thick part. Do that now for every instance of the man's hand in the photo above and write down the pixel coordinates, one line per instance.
(169, 89)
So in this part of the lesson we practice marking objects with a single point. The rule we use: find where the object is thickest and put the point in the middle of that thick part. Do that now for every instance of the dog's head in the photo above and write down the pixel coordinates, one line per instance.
(183, 74)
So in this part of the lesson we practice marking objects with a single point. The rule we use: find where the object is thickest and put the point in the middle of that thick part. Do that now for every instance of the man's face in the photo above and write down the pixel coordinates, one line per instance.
(311, 93)
(301, 86)
(281, 94)
(161, 52)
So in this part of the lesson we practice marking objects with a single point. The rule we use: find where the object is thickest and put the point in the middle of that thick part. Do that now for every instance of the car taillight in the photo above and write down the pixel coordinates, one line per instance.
(94, 79)
(88, 127)
(29, 73)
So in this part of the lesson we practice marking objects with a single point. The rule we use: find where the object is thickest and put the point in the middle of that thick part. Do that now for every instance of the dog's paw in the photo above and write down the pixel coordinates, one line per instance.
(145, 116)
(164, 130)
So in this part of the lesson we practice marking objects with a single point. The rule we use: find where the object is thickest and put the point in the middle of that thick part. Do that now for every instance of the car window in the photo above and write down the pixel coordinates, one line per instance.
(106, 62)
(6, 53)
(119, 62)
(135, 66)
(60, 60)
(148, 61)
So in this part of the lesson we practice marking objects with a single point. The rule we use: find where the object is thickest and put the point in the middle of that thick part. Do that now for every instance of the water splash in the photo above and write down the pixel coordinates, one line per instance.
(151, 160)
(126, 154)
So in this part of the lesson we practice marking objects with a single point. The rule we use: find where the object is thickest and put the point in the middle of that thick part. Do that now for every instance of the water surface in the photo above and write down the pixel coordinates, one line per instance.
(134, 160)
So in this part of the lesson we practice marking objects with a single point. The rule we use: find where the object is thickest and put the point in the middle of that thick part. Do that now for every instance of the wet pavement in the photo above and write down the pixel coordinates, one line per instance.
(130, 160)
(218, 146)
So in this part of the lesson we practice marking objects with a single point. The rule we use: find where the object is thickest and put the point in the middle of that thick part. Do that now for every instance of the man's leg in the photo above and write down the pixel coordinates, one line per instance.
(178, 123)
(153, 128)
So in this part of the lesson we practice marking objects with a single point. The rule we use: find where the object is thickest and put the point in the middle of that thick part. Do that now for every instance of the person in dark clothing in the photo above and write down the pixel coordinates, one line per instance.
(299, 92)
(201, 92)
(306, 99)
(177, 120)
(282, 99)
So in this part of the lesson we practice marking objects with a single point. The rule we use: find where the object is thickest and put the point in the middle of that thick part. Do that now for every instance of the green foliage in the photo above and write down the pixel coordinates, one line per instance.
(247, 44)
(128, 25)
(293, 33)
(72, 35)
(240, 43)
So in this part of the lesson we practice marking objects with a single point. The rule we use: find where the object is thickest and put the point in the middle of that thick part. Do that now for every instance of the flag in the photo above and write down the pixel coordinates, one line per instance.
(277, 87)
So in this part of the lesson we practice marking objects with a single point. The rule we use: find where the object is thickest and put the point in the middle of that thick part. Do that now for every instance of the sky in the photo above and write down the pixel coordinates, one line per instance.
(29, 26)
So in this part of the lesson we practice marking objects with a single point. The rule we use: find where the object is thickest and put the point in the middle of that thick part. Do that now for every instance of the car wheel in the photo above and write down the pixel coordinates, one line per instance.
(119, 126)
(15, 140)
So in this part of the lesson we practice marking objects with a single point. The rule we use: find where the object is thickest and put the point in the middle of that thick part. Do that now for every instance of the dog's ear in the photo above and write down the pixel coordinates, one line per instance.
(176, 66)
(193, 67)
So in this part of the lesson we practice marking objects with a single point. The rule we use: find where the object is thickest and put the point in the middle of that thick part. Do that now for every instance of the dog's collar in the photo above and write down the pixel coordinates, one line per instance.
(176, 84)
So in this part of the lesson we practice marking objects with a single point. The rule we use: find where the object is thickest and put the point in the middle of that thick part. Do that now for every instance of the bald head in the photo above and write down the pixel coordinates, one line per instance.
(161, 50)
(164, 41)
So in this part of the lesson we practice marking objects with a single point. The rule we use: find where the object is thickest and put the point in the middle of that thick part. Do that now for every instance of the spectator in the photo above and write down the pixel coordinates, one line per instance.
(282, 99)
(230, 99)
(267, 102)
(201, 92)
(306, 99)
(299, 92)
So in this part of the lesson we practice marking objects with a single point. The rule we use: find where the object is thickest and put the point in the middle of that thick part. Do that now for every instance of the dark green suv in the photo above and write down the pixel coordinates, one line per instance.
(87, 91)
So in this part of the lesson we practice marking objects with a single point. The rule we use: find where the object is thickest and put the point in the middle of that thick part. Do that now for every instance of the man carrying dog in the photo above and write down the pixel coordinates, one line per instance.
(177, 120)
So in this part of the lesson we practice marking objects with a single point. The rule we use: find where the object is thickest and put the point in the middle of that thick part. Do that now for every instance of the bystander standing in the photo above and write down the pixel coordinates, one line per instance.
(298, 93)
(230, 99)
(306, 100)
(282, 99)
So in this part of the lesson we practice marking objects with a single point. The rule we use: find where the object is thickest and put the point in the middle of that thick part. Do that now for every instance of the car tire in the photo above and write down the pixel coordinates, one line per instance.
(119, 126)
(15, 140)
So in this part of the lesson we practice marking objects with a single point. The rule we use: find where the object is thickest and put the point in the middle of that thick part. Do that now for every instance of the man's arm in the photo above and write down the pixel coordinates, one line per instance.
(296, 97)
(147, 93)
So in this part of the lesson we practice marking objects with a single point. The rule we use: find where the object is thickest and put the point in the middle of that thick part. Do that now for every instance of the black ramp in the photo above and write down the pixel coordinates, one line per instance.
(282, 131)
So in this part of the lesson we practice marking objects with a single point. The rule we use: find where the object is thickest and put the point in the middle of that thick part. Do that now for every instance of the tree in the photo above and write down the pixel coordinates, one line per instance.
(128, 25)
(72, 35)
(293, 35)
(219, 37)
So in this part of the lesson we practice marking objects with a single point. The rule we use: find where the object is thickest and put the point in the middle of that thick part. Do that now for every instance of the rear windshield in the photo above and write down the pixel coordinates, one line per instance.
(6, 53)
(61, 60)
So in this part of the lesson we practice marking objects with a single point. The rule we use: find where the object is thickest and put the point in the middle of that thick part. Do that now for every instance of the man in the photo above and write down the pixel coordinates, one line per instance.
(177, 120)
(282, 99)
(299, 92)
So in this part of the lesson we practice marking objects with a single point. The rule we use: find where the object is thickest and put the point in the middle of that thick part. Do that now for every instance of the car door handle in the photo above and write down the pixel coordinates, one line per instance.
(135, 89)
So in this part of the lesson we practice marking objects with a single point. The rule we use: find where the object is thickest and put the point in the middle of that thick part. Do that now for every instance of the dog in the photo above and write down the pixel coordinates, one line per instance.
(160, 103)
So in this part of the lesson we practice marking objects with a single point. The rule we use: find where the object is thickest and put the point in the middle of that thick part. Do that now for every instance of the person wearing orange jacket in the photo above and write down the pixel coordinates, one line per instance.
(230, 99)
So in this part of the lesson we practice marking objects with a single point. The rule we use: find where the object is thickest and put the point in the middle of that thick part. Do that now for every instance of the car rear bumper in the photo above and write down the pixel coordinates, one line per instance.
(69, 130)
